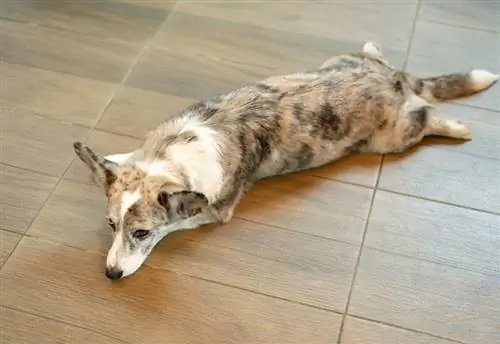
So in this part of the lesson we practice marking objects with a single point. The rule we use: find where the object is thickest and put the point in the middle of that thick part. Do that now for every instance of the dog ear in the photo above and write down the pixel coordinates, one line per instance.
(183, 203)
(102, 169)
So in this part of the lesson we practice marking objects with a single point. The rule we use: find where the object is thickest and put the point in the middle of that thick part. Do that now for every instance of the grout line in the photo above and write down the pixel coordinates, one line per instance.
(404, 328)
(423, 198)
(106, 106)
(467, 27)
(412, 34)
(358, 260)
(64, 323)
(311, 235)
(255, 292)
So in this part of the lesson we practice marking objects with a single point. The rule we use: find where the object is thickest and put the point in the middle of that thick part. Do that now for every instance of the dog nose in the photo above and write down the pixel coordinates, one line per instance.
(113, 273)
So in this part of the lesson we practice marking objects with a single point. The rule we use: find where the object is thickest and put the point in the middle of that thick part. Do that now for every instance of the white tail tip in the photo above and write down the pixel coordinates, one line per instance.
(482, 79)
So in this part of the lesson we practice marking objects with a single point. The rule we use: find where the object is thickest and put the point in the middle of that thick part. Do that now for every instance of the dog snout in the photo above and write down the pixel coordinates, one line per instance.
(113, 273)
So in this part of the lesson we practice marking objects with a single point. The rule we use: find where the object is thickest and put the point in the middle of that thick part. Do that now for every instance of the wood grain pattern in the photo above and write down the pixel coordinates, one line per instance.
(343, 22)
(62, 283)
(16, 218)
(36, 143)
(22, 328)
(435, 232)
(55, 95)
(281, 270)
(424, 296)
(24, 189)
(86, 57)
(481, 14)
(339, 210)
(8, 242)
(357, 331)
(362, 169)
(134, 111)
(129, 22)
(75, 215)
(264, 259)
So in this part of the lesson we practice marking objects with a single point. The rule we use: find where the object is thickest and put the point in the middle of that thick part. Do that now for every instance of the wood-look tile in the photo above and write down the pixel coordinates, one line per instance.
(86, 57)
(309, 205)
(134, 111)
(197, 57)
(357, 331)
(443, 301)
(56, 95)
(359, 169)
(440, 49)
(75, 215)
(250, 256)
(483, 14)
(445, 170)
(14, 218)
(351, 24)
(67, 284)
(162, 4)
(102, 143)
(37, 143)
(436, 232)
(272, 261)
(24, 189)
(129, 22)
(22, 328)
(8, 242)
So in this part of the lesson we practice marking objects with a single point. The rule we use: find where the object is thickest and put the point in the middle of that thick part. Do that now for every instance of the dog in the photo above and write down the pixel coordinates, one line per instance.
(194, 168)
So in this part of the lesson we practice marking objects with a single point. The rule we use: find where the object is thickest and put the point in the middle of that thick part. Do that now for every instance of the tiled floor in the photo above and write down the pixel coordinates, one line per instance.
(404, 251)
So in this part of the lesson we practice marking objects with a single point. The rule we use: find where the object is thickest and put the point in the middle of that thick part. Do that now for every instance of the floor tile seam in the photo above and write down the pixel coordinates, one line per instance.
(60, 321)
(235, 249)
(358, 260)
(309, 235)
(369, 319)
(461, 26)
(433, 262)
(374, 194)
(11, 231)
(423, 198)
(412, 34)
(255, 292)
(145, 48)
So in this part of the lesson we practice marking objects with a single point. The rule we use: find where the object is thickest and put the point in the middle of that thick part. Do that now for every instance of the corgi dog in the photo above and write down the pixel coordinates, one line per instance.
(194, 168)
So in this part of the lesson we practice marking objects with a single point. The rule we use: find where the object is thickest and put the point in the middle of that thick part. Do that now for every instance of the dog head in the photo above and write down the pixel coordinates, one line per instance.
(141, 209)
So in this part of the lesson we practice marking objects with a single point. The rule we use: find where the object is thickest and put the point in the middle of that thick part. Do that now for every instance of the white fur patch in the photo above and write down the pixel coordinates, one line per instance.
(481, 79)
(128, 199)
(200, 158)
(120, 258)
(154, 168)
(119, 159)
(117, 246)
(372, 48)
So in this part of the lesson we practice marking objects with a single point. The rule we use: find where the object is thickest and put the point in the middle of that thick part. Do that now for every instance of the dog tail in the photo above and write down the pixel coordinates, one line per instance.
(454, 86)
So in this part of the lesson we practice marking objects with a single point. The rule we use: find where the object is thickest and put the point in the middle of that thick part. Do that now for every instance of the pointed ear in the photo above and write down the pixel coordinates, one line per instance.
(103, 170)
(183, 203)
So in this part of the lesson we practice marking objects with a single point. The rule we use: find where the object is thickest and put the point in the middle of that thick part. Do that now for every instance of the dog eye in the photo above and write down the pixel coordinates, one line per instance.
(112, 224)
(140, 234)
